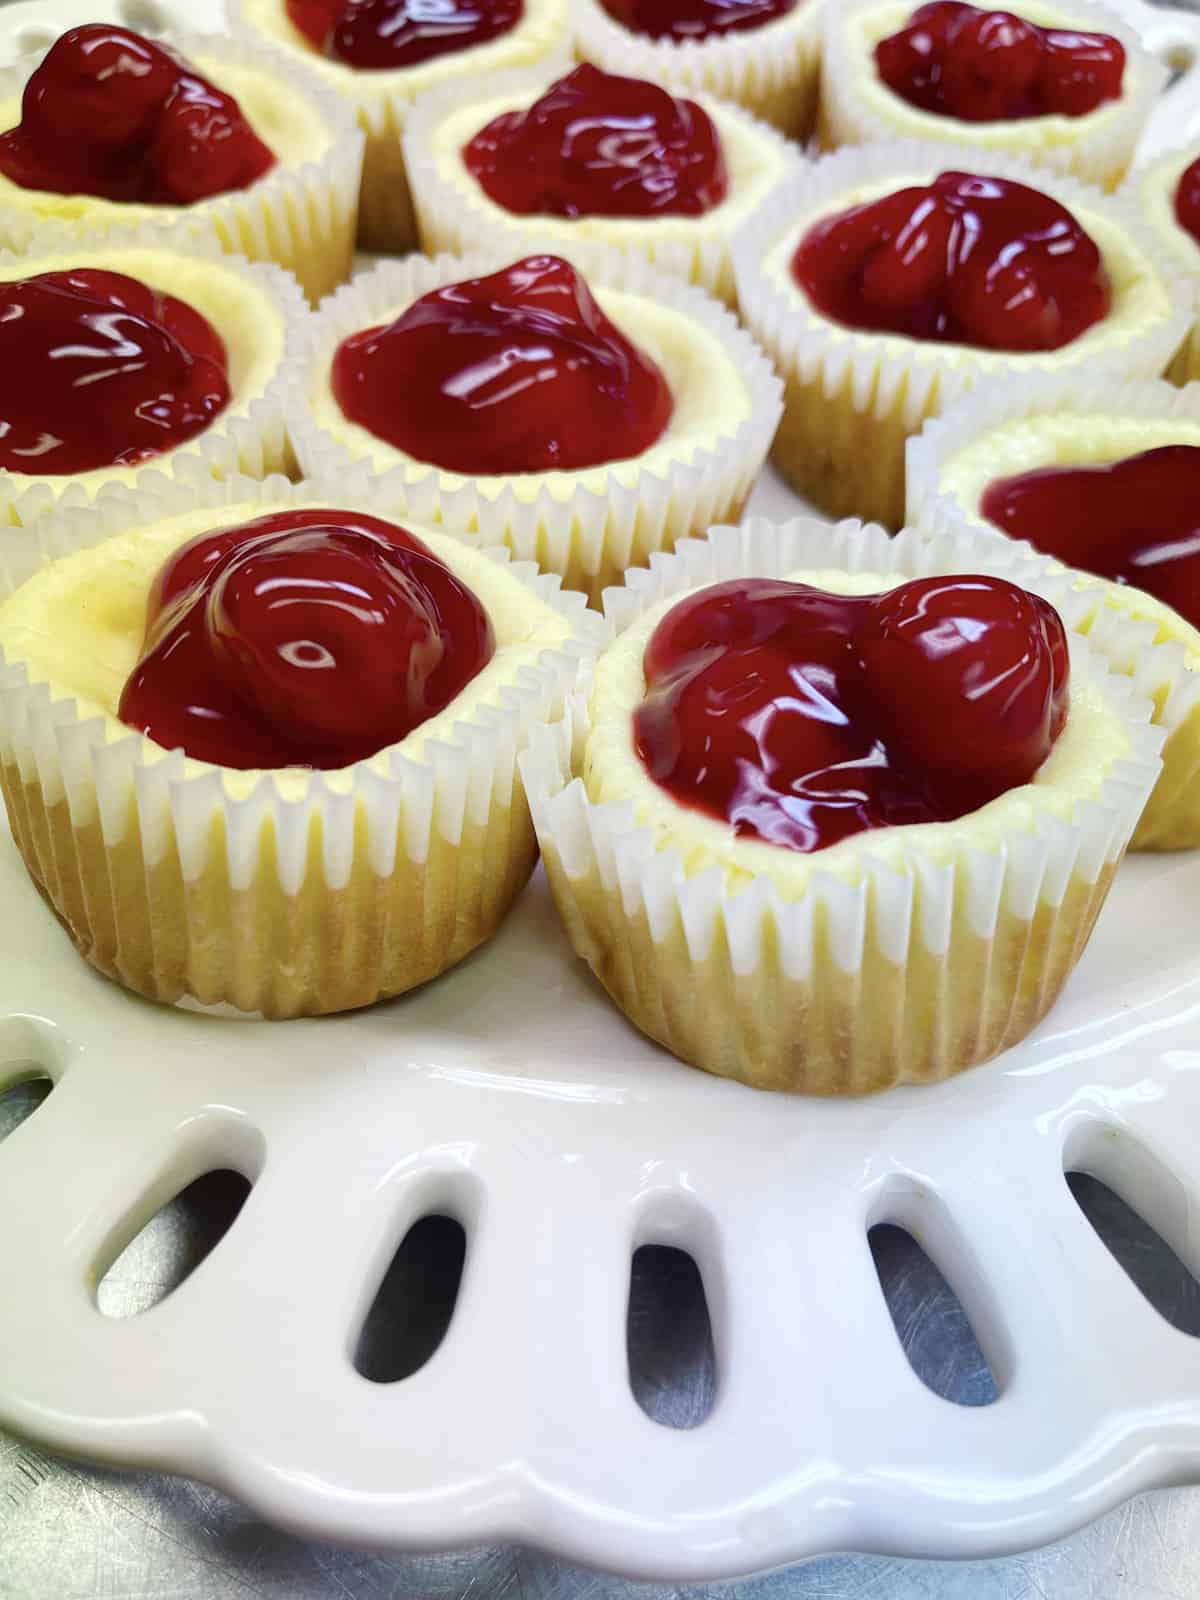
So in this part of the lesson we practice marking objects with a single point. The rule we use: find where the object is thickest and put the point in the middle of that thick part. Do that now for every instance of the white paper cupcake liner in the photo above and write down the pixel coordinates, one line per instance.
(853, 399)
(773, 71)
(874, 971)
(856, 108)
(587, 532)
(284, 893)
(380, 102)
(301, 216)
(1136, 634)
(249, 437)
(1155, 187)
(455, 215)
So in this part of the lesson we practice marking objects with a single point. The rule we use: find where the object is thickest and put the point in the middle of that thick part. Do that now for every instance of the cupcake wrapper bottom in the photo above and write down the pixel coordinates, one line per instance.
(260, 948)
(926, 1019)
(846, 456)
(713, 978)
(307, 224)
(1185, 367)
(387, 223)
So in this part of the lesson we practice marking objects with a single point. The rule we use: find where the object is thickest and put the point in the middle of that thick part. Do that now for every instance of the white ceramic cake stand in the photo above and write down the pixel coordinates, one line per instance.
(513, 1097)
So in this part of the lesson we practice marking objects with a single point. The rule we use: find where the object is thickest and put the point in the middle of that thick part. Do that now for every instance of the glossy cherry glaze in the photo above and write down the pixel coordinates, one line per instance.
(1187, 201)
(1136, 521)
(302, 639)
(99, 370)
(375, 35)
(695, 19)
(597, 145)
(109, 113)
(801, 717)
(992, 66)
(517, 372)
(966, 260)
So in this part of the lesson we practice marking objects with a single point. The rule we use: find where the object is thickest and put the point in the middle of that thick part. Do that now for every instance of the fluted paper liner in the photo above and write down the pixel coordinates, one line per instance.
(773, 71)
(852, 399)
(857, 107)
(380, 101)
(454, 213)
(302, 214)
(588, 526)
(283, 893)
(1135, 633)
(871, 972)
(250, 436)
(1155, 187)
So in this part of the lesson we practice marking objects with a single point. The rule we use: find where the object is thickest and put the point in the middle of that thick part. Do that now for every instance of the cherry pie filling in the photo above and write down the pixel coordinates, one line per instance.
(517, 372)
(598, 145)
(801, 718)
(965, 260)
(695, 19)
(302, 639)
(961, 61)
(1135, 521)
(100, 370)
(378, 35)
(111, 114)
(1187, 201)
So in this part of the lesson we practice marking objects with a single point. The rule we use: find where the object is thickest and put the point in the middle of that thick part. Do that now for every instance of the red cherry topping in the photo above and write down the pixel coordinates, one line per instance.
(965, 259)
(1187, 201)
(694, 19)
(801, 717)
(1136, 521)
(109, 113)
(992, 66)
(517, 372)
(99, 370)
(596, 145)
(302, 639)
(381, 34)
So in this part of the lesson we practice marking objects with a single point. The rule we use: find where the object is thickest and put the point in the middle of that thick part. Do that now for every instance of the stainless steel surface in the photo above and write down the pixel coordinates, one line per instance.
(75, 1532)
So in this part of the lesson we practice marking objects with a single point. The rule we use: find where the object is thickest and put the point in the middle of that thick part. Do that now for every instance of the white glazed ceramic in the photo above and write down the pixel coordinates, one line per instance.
(512, 1096)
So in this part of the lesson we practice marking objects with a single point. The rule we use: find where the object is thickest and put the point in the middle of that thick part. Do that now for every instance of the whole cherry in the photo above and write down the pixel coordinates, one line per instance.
(993, 65)
(303, 638)
(967, 680)
(100, 84)
(324, 632)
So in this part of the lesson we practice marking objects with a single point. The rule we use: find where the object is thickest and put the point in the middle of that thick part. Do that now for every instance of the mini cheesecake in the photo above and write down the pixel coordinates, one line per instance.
(1069, 87)
(377, 60)
(886, 283)
(232, 787)
(211, 141)
(793, 849)
(1104, 479)
(762, 54)
(638, 412)
(121, 359)
(591, 159)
